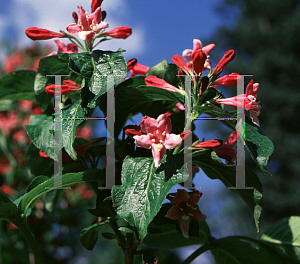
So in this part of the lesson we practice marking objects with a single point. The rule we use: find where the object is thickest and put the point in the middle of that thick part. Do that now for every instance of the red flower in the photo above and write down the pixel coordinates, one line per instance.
(95, 4)
(121, 32)
(137, 68)
(35, 33)
(69, 48)
(133, 130)
(158, 136)
(87, 25)
(7, 190)
(228, 57)
(130, 64)
(157, 82)
(199, 58)
(209, 144)
(68, 86)
(247, 101)
(228, 80)
(228, 150)
(184, 209)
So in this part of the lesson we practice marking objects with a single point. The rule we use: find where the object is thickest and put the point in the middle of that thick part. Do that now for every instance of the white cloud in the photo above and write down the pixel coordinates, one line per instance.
(55, 15)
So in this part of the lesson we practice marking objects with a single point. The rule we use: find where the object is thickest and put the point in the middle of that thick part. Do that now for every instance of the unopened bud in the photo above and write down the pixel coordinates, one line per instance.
(75, 17)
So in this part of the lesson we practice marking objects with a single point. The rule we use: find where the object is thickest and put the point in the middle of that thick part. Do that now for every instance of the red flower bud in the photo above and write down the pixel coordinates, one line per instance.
(209, 144)
(133, 130)
(130, 64)
(199, 58)
(228, 57)
(121, 32)
(75, 17)
(95, 4)
(35, 33)
(68, 86)
(228, 80)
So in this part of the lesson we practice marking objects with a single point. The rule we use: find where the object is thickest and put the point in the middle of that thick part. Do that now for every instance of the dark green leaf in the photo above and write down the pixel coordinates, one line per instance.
(72, 116)
(165, 71)
(67, 180)
(259, 145)
(9, 212)
(36, 164)
(51, 65)
(284, 237)
(89, 235)
(144, 189)
(215, 169)
(39, 131)
(164, 232)
(18, 85)
(94, 67)
(234, 251)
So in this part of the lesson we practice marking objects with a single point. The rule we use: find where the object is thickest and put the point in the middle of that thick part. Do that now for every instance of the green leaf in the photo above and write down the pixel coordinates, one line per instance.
(94, 67)
(36, 164)
(284, 237)
(142, 183)
(3, 197)
(259, 145)
(9, 212)
(165, 232)
(69, 126)
(215, 169)
(36, 181)
(67, 180)
(50, 65)
(39, 131)
(165, 71)
(18, 85)
(89, 235)
(234, 251)
(158, 94)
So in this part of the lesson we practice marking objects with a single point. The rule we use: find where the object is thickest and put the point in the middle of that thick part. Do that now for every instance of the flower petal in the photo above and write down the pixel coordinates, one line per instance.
(148, 124)
(173, 213)
(73, 29)
(143, 141)
(158, 151)
(164, 123)
(172, 141)
(184, 226)
(82, 19)
(180, 197)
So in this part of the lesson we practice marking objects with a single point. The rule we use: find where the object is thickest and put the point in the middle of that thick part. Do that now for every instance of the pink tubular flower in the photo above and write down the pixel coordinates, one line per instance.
(69, 48)
(248, 101)
(35, 33)
(136, 68)
(68, 86)
(228, 150)
(158, 136)
(121, 32)
(184, 209)
(197, 44)
(228, 80)
(87, 25)
(154, 81)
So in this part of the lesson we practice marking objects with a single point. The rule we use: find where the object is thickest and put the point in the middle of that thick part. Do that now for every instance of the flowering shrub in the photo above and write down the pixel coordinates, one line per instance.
(149, 159)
